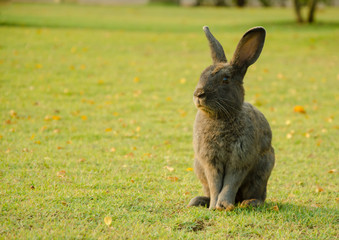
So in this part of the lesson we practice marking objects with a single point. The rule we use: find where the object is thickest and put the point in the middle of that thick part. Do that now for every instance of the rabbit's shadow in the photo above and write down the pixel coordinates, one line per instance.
(297, 213)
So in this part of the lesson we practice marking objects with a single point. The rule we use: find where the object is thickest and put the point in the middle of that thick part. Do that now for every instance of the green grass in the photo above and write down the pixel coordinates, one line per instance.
(96, 101)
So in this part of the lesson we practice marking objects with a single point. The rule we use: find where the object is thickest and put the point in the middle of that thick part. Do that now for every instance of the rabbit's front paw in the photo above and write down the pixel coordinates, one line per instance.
(225, 206)
(199, 201)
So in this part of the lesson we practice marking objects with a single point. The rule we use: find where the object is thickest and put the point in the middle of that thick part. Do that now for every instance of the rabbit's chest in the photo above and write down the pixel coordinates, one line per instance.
(214, 141)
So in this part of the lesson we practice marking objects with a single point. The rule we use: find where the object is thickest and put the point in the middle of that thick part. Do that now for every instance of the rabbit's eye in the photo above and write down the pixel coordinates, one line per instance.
(225, 79)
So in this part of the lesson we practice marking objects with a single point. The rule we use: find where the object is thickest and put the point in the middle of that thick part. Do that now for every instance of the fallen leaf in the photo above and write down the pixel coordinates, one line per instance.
(32, 187)
(319, 189)
(183, 113)
(332, 171)
(108, 129)
(84, 118)
(61, 173)
(100, 82)
(189, 169)
(38, 66)
(299, 109)
(183, 80)
(330, 119)
(112, 149)
(168, 99)
(57, 118)
(12, 113)
(108, 220)
(169, 168)
(81, 160)
(275, 208)
(280, 76)
(136, 79)
(64, 203)
(173, 179)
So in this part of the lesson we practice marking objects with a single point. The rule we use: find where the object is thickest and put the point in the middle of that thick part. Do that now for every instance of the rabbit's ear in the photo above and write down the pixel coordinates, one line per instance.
(249, 47)
(217, 51)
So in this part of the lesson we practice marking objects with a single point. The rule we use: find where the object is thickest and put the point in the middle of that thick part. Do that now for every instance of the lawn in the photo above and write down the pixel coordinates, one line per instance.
(96, 119)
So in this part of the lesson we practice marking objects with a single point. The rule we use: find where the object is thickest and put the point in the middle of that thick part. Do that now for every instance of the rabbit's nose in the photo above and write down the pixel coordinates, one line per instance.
(199, 93)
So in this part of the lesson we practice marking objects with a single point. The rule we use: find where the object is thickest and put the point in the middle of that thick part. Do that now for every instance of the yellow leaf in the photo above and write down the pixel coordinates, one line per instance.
(57, 118)
(37, 142)
(61, 173)
(332, 171)
(183, 80)
(319, 189)
(299, 109)
(100, 82)
(33, 136)
(115, 114)
(168, 99)
(280, 76)
(173, 179)
(108, 220)
(275, 208)
(138, 129)
(12, 113)
(169, 168)
(112, 149)
(136, 79)
(108, 129)
(82, 66)
(84, 118)
(289, 136)
(38, 66)
(330, 119)
(73, 49)
(183, 113)
(189, 169)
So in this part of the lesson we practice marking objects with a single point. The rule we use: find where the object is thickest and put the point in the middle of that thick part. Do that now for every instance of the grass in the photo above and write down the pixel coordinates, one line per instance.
(97, 113)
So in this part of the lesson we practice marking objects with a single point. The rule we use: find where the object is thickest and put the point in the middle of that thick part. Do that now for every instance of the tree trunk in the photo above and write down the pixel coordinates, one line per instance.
(219, 3)
(297, 8)
(241, 3)
(312, 7)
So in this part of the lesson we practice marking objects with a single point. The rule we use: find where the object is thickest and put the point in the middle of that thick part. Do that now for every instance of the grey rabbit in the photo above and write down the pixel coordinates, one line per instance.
(231, 138)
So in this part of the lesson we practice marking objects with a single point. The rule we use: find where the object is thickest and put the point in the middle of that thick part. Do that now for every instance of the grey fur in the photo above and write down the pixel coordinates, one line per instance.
(232, 139)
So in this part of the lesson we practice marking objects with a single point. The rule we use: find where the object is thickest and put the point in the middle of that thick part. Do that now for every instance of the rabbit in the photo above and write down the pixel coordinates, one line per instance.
(231, 138)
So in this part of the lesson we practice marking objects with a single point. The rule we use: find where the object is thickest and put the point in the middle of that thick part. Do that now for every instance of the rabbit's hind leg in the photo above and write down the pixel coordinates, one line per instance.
(252, 203)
